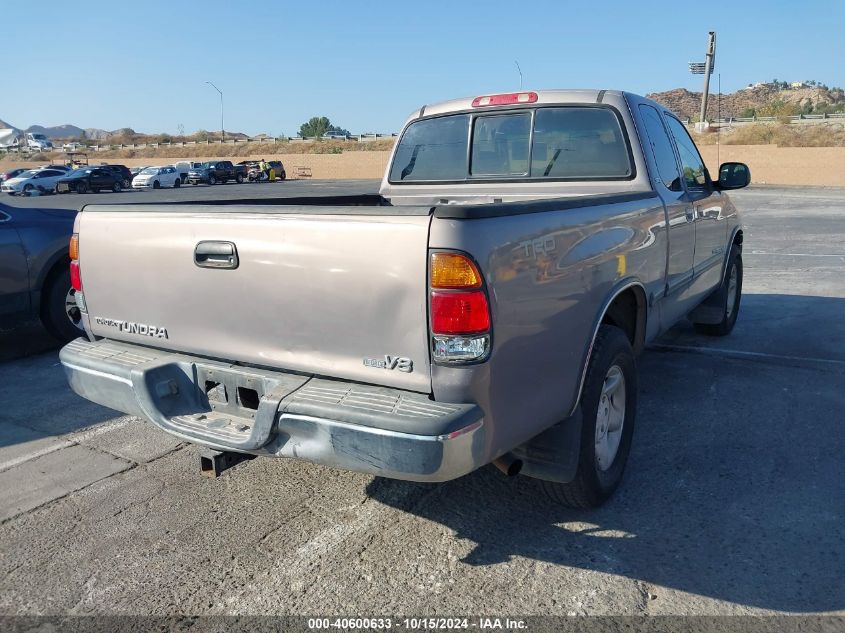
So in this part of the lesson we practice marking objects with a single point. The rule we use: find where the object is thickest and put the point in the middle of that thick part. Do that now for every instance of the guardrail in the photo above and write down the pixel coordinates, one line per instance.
(768, 119)
(361, 138)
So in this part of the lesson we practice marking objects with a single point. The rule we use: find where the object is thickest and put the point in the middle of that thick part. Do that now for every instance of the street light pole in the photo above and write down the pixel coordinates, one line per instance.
(222, 133)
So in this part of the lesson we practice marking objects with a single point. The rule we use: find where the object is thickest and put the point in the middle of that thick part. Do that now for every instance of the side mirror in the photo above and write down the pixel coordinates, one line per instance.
(733, 176)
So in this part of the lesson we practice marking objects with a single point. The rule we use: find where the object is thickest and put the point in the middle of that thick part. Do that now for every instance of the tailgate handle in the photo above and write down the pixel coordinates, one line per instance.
(213, 254)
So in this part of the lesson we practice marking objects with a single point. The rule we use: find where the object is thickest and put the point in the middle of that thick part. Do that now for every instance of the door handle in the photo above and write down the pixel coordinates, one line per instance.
(213, 254)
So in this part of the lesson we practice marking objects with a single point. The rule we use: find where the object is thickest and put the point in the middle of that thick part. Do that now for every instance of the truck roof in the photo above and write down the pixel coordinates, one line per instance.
(543, 97)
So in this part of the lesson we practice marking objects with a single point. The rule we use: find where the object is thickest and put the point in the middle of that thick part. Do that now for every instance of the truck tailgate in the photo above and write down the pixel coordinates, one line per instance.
(314, 290)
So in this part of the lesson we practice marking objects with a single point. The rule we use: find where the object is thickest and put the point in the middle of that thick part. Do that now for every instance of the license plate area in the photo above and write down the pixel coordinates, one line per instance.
(230, 393)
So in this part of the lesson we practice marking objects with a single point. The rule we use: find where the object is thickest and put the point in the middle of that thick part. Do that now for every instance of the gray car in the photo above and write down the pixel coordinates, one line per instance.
(488, 306)
(34, 276)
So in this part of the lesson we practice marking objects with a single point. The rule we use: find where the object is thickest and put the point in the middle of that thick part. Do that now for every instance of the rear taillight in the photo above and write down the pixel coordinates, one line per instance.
(512, 98)
(75, 279)
(460, 311)
(73, 251)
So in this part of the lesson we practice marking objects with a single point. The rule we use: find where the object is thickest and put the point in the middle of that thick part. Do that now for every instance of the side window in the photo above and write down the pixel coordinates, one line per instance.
(694, 170)
(661, 147)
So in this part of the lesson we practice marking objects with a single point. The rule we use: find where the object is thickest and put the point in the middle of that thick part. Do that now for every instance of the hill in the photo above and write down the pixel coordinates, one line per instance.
(760, 99)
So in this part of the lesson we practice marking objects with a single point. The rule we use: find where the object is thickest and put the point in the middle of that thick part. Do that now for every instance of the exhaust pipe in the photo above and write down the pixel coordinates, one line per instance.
(508, 464)
(213, 463)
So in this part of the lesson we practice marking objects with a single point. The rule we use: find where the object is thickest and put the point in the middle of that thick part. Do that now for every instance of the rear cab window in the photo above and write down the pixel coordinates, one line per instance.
(551, 143)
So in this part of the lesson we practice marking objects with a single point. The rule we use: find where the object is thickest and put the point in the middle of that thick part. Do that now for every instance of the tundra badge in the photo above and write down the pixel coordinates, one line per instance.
(128, 327)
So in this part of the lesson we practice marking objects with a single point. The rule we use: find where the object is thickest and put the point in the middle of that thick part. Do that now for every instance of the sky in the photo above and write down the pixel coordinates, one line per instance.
(368, 65)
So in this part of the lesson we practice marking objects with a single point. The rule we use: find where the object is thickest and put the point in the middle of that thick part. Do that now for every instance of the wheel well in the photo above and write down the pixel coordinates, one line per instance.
(627, 311)
(737, 240)
(55, 270)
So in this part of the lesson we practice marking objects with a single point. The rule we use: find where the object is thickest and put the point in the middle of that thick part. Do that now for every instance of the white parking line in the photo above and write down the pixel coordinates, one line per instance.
(69, 440)
(718, 351)
(840, 256)
(22, 459)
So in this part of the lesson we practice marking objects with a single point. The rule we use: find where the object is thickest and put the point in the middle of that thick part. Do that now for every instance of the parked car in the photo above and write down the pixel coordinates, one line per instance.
(157, 177)
(122, 171)
(72, 147)
(64, 168)
(12, 173)
(487, 307)
(134, 171)
(34, 258)
(279, 168)
(43, 180)
(183, 167)
(333, 134)
(94, 179)
(217, 171)
(253, 173)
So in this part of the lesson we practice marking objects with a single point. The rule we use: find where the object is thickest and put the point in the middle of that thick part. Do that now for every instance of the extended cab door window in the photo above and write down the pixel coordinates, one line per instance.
(694, 171)
(661, 147)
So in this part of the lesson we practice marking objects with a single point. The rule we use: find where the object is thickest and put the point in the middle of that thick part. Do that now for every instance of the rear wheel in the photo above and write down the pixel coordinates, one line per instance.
(211, 179)
(82, 187)
(177, 183)
(59, 312)
(240, 179)
(156, 184)
(116, 186)
(608, 407)
(731, 290)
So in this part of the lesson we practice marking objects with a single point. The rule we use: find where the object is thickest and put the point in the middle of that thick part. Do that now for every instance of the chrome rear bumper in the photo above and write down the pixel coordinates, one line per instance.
(385, 432)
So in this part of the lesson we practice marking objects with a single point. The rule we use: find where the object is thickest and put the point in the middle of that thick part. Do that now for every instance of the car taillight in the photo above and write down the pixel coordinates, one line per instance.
(460, 311)
(511, 98)
(75, 276)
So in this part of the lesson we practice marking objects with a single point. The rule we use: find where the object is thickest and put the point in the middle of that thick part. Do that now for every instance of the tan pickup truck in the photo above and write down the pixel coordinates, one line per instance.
(487, 306)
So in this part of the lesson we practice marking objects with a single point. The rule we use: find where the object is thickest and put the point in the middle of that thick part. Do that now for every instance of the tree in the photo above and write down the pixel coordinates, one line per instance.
(317, 126)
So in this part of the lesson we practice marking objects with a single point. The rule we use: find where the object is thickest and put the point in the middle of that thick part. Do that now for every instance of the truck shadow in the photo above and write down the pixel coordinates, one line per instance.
(734, 489)
(35, 399)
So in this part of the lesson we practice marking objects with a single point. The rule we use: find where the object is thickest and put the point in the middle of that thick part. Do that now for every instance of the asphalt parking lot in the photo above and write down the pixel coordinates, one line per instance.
(733, 502)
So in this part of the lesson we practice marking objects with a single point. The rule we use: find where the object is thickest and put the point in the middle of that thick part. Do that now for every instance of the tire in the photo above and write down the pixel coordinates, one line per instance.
(27, 189)
(211, 179)
(283, 176)
(239, 179)
(116, 186)
(58, 313)
(731, 290)
(156, 184)
(600, 469)
(177, 183)
(82, 187)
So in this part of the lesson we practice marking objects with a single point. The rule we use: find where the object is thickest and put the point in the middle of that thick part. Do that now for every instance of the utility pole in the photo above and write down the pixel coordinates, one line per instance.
(705, 68)
(708, 69)
(222, 133)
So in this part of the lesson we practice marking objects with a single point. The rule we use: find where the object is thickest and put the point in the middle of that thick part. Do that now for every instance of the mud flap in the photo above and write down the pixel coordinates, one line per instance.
(553, 454)
(711, 311)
